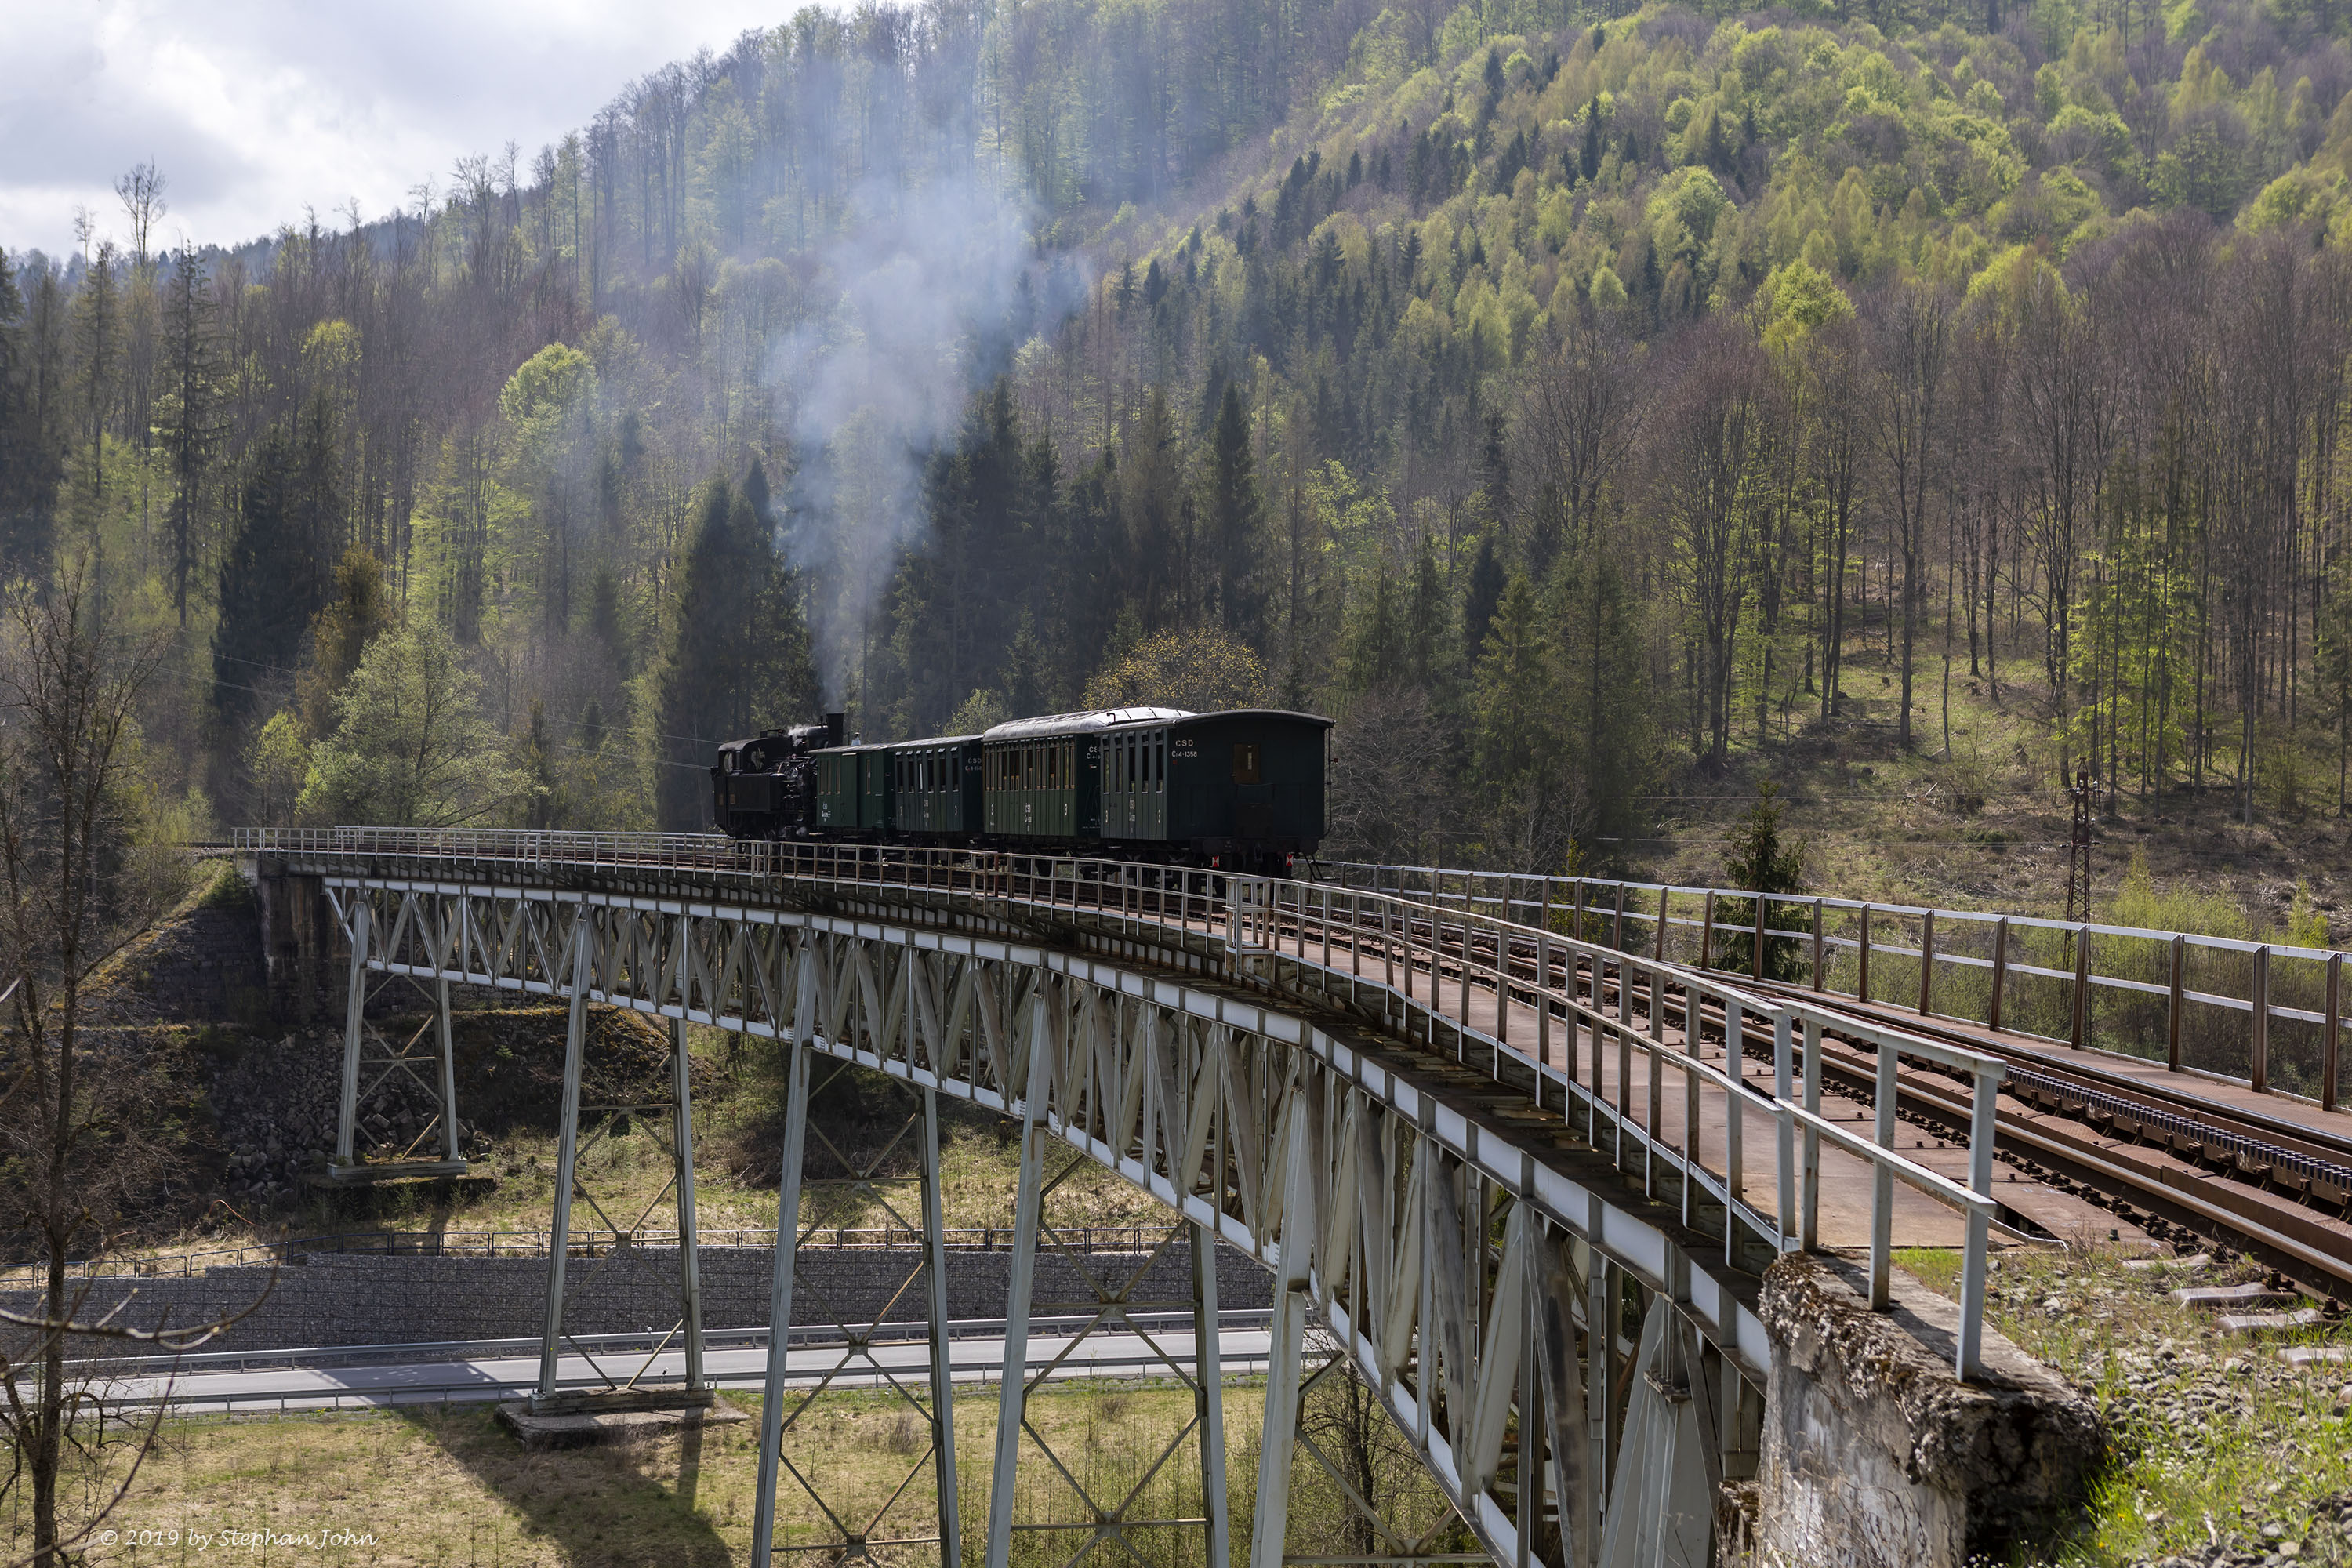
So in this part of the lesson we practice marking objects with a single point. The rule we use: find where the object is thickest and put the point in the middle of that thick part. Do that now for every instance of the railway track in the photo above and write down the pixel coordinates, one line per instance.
(2178, 1166)
(2184, 1169)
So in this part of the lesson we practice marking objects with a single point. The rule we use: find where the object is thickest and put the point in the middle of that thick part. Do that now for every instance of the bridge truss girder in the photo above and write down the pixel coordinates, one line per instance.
(1516, 1311)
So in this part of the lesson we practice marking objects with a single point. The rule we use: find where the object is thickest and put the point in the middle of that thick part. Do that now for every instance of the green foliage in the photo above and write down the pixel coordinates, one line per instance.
(411, 748)
(1202, 670)
(277, 764)
(1760, 862)
(2140, 902)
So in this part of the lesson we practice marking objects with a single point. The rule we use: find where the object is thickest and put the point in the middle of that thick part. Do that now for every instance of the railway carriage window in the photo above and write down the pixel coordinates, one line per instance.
(1245, 762)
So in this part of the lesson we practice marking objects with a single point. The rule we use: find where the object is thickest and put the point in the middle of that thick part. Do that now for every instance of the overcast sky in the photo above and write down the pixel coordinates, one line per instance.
(253, 107)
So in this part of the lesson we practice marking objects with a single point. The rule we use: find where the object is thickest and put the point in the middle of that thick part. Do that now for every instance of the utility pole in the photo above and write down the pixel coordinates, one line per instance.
(2078, 859)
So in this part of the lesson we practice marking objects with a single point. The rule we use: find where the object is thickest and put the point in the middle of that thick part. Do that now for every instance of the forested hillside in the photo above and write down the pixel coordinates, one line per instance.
(1571, 404)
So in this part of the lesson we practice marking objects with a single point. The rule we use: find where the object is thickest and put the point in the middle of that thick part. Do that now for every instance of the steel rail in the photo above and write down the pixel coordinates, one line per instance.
(1653, 907)
(1848, 1019)
(2317, 1154)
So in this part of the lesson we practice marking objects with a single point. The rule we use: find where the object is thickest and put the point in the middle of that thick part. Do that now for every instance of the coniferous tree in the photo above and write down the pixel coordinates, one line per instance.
(1233, 518)
(1761, 861)
(187, 422)
(736, 658)
(265, 609)
(1486, 583)
(29, 460)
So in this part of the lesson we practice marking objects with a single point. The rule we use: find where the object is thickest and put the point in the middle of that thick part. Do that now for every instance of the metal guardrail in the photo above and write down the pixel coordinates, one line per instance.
(424, 1351)
(526, 1244)
(1248, 917)
(2267, 1015)
(1052, 1364)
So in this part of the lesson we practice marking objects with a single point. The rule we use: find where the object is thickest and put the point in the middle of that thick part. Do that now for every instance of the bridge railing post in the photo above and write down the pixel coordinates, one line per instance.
(1809, 1235)
(1982, 1111)
(1783, 1090)
(1882, 1184)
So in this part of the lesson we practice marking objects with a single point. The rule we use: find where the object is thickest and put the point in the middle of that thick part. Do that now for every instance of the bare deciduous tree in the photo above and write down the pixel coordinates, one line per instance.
(85, 1127)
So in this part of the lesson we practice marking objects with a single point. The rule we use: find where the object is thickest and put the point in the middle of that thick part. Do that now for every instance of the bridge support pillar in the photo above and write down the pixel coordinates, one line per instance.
(364, 1048)
(690, 1244)
(783, 1406)
(567, 1163)
(1013, 1390)
(779, 1299)
(943, 1456)
(1208, 1393)
(355, 1022)
(1287, 1348)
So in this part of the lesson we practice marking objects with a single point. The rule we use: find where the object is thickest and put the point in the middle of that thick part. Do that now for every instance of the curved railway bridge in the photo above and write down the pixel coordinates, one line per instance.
(1522, 1183)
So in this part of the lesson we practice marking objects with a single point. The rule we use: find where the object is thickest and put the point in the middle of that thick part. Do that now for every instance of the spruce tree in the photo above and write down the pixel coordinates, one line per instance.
(1760, 862)
(29, 457)
(186, 422)
(1232, 520)
(736, 654)
(265, 598)
(1486, 581)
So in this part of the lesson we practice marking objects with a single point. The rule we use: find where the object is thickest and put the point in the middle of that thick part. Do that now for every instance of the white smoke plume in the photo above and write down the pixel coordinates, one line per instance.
(922, 299)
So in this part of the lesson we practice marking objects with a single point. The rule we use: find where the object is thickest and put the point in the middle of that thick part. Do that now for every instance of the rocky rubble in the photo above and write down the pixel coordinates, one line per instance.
(2272, 1543)
(276, 1107)
(275, 1100)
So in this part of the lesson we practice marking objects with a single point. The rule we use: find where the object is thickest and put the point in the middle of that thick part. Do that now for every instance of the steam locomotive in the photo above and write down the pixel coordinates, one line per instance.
(1242, 791)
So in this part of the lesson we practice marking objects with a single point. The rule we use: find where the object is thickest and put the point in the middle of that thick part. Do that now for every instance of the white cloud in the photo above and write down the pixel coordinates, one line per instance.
(257, 109)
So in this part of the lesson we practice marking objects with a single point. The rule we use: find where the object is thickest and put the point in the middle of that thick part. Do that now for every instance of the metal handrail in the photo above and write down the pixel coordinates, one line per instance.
(1307, 922)
(1841, 956)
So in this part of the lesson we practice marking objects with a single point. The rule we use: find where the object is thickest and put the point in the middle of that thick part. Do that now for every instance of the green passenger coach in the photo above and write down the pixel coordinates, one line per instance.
(1240, 790)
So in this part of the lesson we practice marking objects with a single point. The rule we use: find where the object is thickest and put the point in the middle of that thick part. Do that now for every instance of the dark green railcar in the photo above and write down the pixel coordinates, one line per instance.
(936, 787)
(853, 791)
(1240, 790)
(1243, 788)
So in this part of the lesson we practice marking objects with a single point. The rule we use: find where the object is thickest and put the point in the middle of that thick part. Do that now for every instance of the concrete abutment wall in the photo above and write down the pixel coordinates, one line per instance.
(1876, 1456)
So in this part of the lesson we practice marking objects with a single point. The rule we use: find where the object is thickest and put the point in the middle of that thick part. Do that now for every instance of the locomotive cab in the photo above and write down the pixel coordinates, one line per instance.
(763, 787)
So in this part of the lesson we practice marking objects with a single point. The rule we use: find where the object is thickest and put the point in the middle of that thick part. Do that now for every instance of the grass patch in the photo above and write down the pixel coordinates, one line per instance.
(438, 1490)
(2214, 1438)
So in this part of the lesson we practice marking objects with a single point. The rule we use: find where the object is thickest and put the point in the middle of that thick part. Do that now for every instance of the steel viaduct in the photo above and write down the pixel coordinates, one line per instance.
(1524, 1182)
